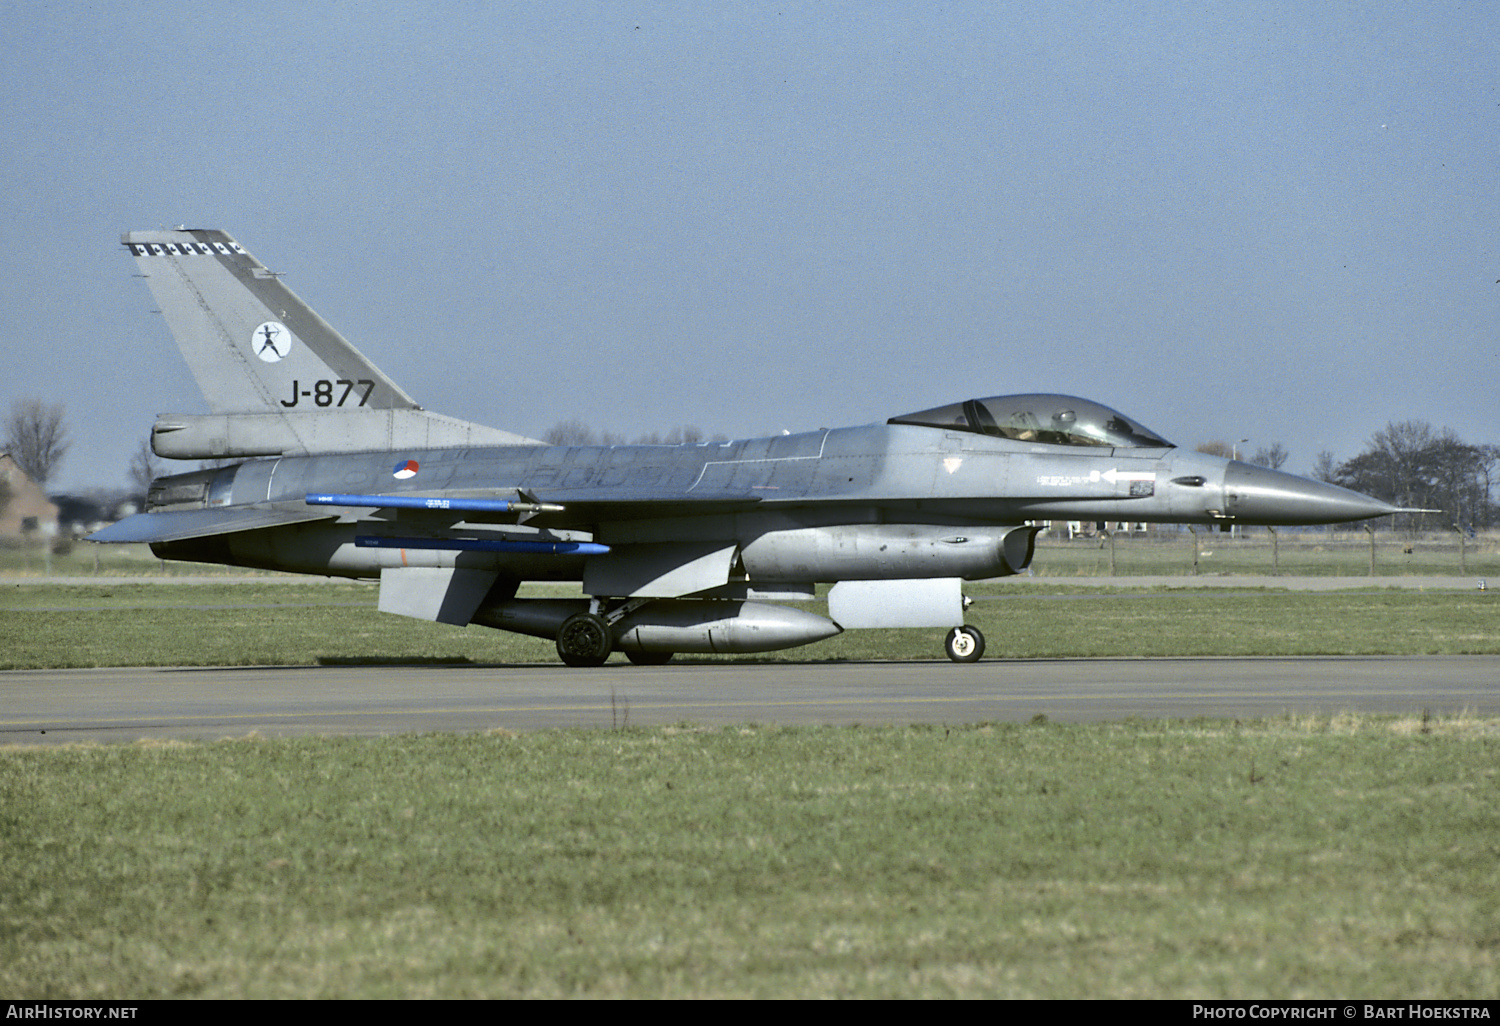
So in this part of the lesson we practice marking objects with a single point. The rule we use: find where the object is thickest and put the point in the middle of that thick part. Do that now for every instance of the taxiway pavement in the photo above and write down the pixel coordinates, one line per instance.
(127, 705)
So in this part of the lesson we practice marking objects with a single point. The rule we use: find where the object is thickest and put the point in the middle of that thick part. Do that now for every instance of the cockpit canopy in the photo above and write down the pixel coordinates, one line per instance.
(1050, 419)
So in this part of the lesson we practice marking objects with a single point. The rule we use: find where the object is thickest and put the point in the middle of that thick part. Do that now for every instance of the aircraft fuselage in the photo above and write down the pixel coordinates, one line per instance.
(879, 476)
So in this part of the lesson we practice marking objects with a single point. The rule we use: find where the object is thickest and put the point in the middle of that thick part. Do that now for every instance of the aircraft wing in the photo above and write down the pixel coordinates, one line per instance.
(561, 508)
(179, 525)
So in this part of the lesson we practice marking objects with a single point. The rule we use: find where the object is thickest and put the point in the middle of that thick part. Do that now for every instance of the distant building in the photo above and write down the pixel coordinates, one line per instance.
(25, 510)
(80, 515)
(1091, 529)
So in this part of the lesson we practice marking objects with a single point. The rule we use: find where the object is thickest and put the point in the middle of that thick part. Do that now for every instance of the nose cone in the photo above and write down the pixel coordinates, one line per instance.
(1258, 495)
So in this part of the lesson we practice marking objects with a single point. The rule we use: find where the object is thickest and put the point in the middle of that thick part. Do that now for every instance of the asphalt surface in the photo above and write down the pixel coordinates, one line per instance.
(128, 705)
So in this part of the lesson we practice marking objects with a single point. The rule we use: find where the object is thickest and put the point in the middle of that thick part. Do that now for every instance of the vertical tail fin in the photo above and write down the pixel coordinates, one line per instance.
(277, 377)
(245, 335)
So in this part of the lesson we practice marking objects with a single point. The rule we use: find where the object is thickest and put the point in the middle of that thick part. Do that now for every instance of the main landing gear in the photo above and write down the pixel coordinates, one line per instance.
(964, 644)
(584, 640)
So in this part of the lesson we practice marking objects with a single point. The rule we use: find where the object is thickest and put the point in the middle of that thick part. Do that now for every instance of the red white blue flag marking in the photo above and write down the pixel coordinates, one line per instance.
(405, 469)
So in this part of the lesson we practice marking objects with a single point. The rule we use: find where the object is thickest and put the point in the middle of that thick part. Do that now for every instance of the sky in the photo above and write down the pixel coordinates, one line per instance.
(1264, 221)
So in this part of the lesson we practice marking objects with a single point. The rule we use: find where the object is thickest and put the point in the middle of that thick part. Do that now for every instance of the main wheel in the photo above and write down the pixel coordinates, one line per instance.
(648, 658)
(964, 644)
(584, 640)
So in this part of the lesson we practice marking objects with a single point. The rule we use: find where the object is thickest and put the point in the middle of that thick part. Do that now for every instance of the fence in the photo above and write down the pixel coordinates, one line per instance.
(1262, 551)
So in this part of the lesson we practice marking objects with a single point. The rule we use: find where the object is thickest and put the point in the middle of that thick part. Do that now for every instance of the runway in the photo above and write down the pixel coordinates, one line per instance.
(128, 705)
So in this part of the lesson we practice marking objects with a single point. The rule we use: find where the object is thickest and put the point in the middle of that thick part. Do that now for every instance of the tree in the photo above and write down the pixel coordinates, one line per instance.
(1216, 448)
(1273, 457)
(571, 432)
(1489, 457)
(575, 432)
(36, 436)
(144, 467)
(1410, 464)
(1326, 468)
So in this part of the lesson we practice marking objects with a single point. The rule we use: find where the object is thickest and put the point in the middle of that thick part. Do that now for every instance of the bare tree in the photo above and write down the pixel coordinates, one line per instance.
(574, 431)
(37, 437)
(1485, 464)
(1216, 448)
(1326, 468)
(571, 432)
(1273, 457)
(144, 467)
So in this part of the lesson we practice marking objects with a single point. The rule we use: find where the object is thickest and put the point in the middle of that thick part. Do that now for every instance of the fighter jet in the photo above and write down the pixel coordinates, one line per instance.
(678, 548)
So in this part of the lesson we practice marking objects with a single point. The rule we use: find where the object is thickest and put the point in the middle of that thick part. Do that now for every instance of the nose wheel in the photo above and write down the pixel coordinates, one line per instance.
(964, 644)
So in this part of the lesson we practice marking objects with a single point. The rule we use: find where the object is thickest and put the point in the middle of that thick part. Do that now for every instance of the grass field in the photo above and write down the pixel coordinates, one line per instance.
(1286, 858)
(279, 624)
(1279, 858)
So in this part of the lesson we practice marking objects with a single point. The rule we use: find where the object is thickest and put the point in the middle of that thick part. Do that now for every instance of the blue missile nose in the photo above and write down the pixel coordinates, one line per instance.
(1259, 495)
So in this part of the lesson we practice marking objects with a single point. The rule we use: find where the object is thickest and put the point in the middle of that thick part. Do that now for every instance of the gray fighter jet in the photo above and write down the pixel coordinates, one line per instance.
(679, 548)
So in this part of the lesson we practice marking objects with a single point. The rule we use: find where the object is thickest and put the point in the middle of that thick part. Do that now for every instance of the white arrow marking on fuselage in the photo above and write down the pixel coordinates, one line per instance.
(952, 463)
(1113, 476)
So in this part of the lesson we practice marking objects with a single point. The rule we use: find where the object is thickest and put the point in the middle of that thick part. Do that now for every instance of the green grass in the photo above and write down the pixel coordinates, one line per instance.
(87, 559)
(1284, 858)
(23, 594)
(282, 624)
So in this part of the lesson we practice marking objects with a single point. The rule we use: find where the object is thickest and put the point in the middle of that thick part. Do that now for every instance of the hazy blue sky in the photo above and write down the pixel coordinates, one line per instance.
(1273, 221)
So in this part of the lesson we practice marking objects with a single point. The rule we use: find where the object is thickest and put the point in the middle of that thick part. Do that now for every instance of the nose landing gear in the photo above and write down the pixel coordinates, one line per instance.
(964, 644)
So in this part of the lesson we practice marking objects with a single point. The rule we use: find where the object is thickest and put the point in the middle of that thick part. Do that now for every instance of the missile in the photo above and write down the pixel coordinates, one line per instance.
(544, 548)
(436, 502)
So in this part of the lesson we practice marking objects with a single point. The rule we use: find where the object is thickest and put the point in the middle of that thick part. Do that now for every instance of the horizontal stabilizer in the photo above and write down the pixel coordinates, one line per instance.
(177, 436)
(180, 525)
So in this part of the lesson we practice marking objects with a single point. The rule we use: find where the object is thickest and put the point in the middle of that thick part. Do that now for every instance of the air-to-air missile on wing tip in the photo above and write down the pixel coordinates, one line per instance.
(682, 548)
